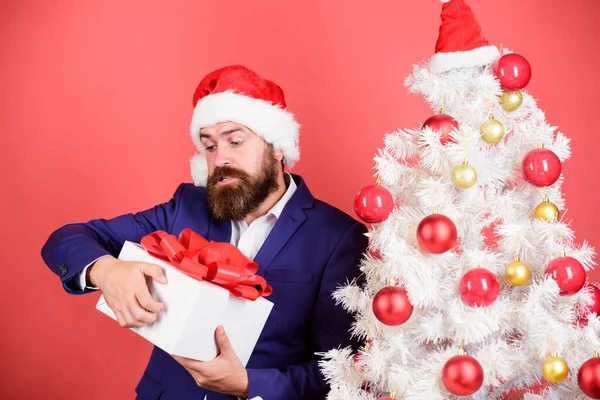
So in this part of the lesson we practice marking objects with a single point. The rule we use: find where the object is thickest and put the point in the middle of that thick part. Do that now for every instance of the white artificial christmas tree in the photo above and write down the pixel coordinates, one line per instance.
(499, 287)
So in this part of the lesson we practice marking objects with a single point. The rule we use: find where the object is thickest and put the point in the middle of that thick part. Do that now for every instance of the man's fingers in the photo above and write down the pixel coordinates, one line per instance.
(223, 341)
(183, 360)
(126, 292)
(140, 315)
(128, 320)
(197, 369)
(155, 272)
(190, 364)
(146, 301)
(121, 319)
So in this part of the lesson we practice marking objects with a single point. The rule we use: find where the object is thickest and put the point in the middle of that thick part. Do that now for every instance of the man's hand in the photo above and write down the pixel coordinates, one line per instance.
(225, 374)
(123, 285)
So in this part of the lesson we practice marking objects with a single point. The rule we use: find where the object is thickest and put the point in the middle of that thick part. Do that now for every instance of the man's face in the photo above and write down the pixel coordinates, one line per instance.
(243, 170)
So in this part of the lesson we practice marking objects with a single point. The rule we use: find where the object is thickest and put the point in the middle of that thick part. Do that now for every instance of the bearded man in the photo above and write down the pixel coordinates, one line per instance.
(246, 138)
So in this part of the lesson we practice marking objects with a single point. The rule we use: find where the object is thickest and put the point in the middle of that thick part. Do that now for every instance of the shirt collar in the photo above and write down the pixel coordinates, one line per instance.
(277, 209)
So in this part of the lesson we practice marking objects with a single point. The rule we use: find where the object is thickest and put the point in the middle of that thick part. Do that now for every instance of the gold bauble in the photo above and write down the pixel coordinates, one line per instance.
(464, 176)
(555, 369)
(492, 131)
(547, 211)
(511, 101)
(517, 273)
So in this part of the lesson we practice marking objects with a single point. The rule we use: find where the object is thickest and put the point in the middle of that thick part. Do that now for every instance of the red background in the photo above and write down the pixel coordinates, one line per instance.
(94, 114)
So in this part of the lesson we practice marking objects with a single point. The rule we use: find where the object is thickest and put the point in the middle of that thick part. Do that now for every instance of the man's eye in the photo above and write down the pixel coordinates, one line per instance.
(212, 148)
(235, 144)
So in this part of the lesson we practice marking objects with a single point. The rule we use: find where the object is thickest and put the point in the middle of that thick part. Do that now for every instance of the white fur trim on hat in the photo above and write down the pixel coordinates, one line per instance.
(441, 62)
(274, 124)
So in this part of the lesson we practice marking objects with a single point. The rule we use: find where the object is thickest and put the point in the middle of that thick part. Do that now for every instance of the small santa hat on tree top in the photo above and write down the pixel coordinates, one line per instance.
(460, 43)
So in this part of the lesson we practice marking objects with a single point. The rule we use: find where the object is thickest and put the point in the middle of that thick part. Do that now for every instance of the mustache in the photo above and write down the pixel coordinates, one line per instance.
(226, 172)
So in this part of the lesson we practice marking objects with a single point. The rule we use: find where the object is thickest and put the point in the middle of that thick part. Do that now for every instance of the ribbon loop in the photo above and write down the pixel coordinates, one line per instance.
(220, 263)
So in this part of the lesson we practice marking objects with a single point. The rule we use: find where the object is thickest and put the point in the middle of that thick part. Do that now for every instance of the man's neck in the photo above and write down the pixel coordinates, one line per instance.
(269, 202)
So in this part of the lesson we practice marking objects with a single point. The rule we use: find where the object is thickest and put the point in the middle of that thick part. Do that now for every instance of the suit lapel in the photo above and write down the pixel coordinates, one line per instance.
(287, 224)
(290, 220)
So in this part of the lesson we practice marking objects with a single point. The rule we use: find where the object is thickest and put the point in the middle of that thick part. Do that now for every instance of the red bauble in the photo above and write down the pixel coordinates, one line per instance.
(443, 123)
(513, 71)
(391, 306)
(568, 273)
(593, 307)
(479, 287)
(462, 375)
(373, 203)
(436, 233)
(541, 167)
(588, 378)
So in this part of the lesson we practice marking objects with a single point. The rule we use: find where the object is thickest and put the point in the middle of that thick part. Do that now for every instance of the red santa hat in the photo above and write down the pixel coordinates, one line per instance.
(237, 94)
(460, 43)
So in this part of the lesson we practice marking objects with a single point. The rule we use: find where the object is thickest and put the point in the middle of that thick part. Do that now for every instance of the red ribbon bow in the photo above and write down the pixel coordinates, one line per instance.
(216, 262)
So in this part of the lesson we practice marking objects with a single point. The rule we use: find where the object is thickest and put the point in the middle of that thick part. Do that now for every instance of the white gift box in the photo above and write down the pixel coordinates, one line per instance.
(193, 310)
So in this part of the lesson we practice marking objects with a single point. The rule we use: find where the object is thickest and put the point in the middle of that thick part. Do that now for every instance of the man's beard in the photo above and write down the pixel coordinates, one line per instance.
(236, 200)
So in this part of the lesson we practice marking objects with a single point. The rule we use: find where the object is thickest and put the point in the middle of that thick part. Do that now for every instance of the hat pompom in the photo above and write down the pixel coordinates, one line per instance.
(199, 169)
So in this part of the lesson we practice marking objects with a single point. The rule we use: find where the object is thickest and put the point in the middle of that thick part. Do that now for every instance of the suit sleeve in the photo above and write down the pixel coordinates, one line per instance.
(71, 248)
(331, 325)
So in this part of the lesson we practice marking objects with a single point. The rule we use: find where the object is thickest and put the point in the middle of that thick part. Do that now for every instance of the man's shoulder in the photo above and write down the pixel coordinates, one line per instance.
(191, 196)
(189, 190)
(192, 188)
(331, 215)
(333, 226)
(322, 212)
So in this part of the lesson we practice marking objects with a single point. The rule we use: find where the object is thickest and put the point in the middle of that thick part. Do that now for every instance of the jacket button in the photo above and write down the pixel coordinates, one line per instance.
(62, 268)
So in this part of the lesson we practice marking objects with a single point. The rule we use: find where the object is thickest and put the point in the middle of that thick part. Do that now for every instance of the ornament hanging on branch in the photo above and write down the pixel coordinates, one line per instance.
(479, 287)
(442, 123)
(513, 71)
(462, 375)
(555, 369)
(517, 273)
(511, 101)
(588, 377)
(492, 131)
(391, 306)
(547, 211)
(373, 203)
(541, 167)
(568, 273)
(436, 233)
(464, 176)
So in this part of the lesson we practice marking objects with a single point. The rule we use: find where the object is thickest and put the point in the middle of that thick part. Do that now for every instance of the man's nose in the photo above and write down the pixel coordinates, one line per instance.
(223, 156)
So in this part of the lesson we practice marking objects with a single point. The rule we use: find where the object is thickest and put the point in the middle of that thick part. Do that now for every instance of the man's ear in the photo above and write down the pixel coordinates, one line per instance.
(278, 155)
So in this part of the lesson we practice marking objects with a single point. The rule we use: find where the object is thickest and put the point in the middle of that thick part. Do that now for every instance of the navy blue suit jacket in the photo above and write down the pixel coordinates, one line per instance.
(312, 249)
